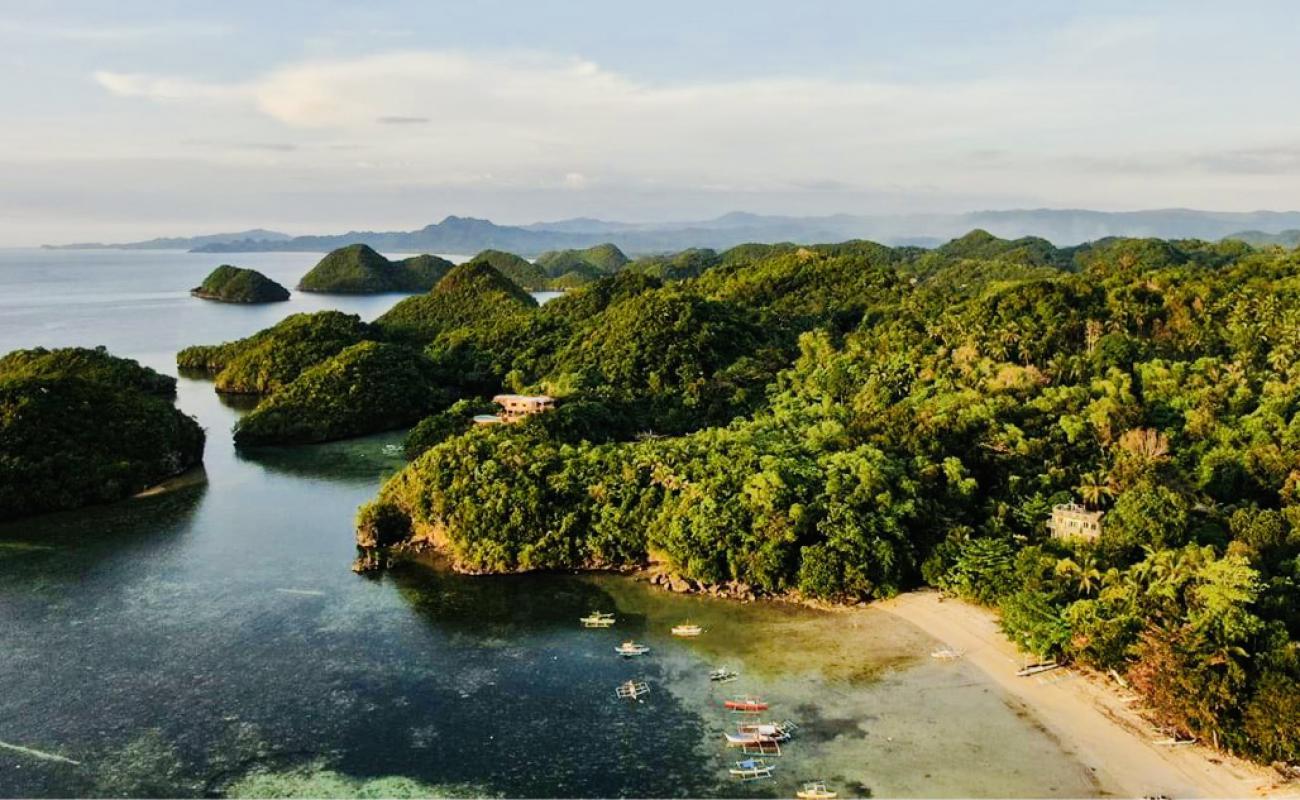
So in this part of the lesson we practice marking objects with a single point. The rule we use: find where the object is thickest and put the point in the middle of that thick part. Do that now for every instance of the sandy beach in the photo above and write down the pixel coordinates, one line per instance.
(1091, 717)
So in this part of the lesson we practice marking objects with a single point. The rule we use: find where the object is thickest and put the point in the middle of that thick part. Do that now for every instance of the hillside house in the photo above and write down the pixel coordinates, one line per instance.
(515, 407)
(1073, 521)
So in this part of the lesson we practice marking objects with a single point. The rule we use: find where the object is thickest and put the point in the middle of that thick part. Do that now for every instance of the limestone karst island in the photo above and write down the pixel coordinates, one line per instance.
(722, 400)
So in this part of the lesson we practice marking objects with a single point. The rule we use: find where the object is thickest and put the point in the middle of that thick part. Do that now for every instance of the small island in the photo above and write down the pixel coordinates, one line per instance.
(228, 284)
(79, 426)
(358, 269)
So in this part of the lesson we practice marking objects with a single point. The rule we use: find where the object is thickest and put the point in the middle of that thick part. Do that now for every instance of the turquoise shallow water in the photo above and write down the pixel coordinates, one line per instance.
(214, 641)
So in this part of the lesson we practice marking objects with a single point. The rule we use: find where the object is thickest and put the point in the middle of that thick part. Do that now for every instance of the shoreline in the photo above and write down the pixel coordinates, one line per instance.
(1086, 713)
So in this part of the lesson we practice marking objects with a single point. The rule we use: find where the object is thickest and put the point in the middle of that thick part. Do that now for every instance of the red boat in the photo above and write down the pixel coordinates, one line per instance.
(746, 704)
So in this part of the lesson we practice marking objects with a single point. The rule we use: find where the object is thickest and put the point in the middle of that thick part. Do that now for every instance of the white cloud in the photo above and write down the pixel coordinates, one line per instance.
(520, 122)
(155, 88)
(550, 114)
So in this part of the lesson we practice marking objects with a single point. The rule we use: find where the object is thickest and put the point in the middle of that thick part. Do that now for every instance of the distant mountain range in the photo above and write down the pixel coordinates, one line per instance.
(468, 235)
(179, 242)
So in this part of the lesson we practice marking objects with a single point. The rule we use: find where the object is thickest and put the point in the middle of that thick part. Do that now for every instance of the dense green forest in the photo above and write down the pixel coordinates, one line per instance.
(227, 284)
(848, 421)
(270, 359)
(79, 426)
(371, 386)
(844, 422)
(357, 269)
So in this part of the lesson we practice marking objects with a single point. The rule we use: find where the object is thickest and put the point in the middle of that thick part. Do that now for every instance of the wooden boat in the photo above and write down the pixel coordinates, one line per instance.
(632, 690)
(745, 705)
(687, 630)
(769, 734)
(761, 748)
(723, 675)
(597, 619)
(751, 769)
(630, 649)
(815, 790)
(772, 730)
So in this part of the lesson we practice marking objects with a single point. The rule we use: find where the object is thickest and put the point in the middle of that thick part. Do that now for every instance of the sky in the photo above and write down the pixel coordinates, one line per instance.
(129, 120)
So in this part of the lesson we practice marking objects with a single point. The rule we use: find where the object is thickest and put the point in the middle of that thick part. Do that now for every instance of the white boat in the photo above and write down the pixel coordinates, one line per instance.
(687, 630)
(816, 790)
(630, 649)
(945, 653)
(723, 675)
(770, 731)
(597, 619)
(632, 690)
(751, 769)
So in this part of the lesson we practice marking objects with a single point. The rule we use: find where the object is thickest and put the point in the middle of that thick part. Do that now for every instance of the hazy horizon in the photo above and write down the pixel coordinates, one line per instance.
(147, 119)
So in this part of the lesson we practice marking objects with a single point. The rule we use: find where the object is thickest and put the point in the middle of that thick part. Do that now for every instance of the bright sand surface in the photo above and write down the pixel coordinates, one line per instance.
(1090, 716)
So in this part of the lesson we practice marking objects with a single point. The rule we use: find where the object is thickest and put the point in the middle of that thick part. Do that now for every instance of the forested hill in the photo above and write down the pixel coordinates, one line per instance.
(849, 421)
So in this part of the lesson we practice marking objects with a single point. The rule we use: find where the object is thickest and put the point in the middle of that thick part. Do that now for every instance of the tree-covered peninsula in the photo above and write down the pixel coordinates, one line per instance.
(845, 422)
(227, 284)
(79, 426)
(358, 269)
(369, 387)
(270, 359)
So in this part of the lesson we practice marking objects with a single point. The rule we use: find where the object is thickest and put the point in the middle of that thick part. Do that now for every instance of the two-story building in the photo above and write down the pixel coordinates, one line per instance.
(1073, 521)
(515, 407)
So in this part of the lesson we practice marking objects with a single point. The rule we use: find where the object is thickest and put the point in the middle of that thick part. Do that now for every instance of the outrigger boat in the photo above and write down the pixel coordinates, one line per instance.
(632, 690)
(745, 705)
(597, 619)
(770, 734)
(761, 749)
(630, 649)
(751, 769)
(687, 630)
(774, 730)
(815, 791)
(723, 675)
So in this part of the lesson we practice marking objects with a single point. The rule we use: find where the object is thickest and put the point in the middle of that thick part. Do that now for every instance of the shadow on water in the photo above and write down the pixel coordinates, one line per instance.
(112, 531)
(359, 460)
(505, 604)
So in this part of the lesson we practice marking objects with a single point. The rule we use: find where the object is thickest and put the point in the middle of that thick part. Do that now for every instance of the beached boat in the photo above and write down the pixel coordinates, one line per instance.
(632, 690)
(687, 630)
(630, 649)
(597, 619)
(751, 769)
(945, 653)
(723, 675)
(745, 705)
(816, 790)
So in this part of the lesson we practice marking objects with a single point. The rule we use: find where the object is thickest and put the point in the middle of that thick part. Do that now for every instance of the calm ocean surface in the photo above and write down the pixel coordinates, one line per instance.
(213, 641)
